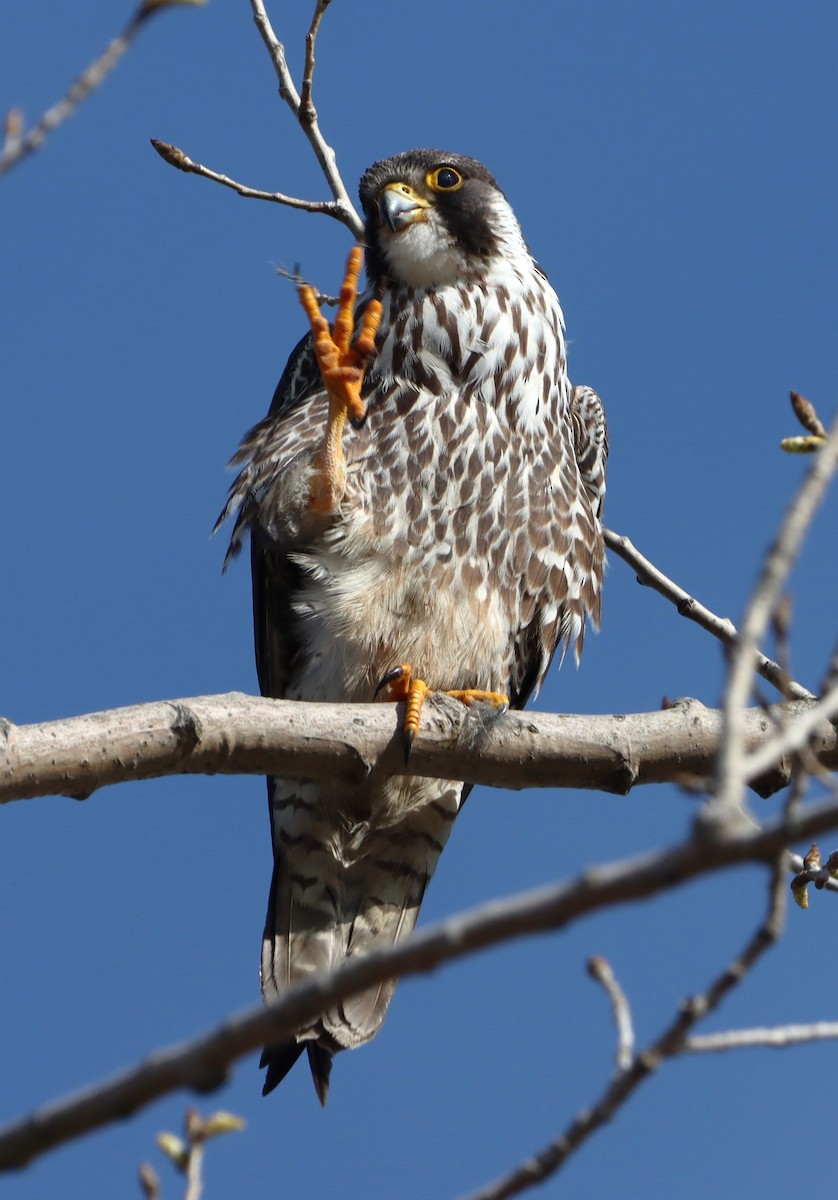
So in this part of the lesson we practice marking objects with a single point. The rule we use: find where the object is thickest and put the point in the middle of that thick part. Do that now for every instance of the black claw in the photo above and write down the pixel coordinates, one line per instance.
(358, 422)
(409, 735)
(389, 678)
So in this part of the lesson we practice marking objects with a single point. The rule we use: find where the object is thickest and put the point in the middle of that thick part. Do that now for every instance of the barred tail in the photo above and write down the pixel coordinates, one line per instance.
(338, 892)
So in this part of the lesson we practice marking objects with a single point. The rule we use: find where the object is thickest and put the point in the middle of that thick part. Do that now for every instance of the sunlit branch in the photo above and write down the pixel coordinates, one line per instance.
(721, 627)
(776, 567)
(177, 158)
(778, 1037)
(304, 111)
(237, 734)
(670, 1043)
(792, 736)
(19, 144)
(601, 970)
(203, 1063)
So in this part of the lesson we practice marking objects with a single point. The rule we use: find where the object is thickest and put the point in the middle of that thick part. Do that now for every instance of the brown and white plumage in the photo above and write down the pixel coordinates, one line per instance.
(467, 543)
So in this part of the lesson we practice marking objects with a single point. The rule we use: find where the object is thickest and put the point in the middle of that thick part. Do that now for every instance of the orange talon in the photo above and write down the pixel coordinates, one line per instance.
(342, 367)
(401, 685)
(415, 700)
(469, 695)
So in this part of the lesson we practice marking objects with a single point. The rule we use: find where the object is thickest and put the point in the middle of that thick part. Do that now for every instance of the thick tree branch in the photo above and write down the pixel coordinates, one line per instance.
(238, 734)
(202, 1064)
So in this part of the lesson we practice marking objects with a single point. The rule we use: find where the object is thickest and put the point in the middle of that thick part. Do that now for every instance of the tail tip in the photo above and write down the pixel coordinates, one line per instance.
(280, 1059)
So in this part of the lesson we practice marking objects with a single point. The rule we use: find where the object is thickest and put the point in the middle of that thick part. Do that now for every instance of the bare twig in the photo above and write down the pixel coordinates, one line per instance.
(149, 1181)
(792, 736)
(648, 575)
(779, 1037)
(194, 1174)
(203, 1063)
(276, 50)
(186, 1154)
(308, 112)
(670, 1043)
(238, 734)
(601, 970)
(175, 157)
(340, 207)
(304, 111)
(18, 145)
(775, 569)
(297, 279)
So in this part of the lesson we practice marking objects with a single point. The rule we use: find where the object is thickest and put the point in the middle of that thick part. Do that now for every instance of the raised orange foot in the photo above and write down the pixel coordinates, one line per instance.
(402, 684)
(343, 364)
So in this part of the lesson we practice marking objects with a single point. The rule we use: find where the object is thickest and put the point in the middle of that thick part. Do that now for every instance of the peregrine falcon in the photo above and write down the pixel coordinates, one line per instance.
(448, 532)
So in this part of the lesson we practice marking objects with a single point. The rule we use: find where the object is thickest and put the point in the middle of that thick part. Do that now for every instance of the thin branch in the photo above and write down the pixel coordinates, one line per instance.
(778, 1037)
(792, 737)
(308, 111)
(305, 113)
(648, 575)
(203, 1063)
(149, 1181)
(776, 567)
(19, 145)
(194, 1173)
(341, 207)
(297, 279)
(276, 50)
(237, 734)
(601, 970)
(670, 1043)
(176, 157)
(186, 1153)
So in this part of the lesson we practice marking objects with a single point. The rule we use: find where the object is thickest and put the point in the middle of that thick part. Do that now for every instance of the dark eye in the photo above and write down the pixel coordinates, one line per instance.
(445, 179)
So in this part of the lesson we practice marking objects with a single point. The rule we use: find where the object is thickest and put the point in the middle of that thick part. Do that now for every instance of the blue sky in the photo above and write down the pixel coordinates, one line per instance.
(673, 168)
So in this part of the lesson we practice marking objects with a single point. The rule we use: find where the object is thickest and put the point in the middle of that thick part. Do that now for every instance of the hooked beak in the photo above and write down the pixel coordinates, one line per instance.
(399, 206)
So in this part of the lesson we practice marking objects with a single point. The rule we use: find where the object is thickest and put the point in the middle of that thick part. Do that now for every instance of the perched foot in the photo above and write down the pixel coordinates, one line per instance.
(343, 365)
(402, 684)
(469, 696)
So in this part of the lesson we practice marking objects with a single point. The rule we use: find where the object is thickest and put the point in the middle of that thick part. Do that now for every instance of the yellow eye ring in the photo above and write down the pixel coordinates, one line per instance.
(444, 179)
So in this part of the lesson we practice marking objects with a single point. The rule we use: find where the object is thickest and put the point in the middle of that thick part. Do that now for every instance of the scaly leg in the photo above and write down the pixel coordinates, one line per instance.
(402, 684)
(342, 366)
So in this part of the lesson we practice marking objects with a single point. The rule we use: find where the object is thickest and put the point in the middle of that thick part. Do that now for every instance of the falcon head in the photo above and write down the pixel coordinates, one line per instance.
(434, 218)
